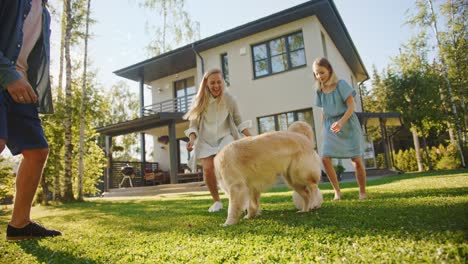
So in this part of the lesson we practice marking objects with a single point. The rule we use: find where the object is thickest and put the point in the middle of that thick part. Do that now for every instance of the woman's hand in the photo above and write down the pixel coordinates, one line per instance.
(190, 144)
(336, 127)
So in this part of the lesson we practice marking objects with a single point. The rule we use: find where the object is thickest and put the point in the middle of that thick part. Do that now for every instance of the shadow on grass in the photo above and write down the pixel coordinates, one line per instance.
(392, 179)
(46, 255)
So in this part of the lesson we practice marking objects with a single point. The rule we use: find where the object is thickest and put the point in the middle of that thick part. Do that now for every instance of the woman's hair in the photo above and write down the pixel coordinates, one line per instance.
(200, 101)
(332, 80)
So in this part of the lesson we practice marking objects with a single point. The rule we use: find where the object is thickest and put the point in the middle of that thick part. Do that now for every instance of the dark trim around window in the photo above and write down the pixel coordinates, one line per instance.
(295, 113)
(262, 56)
(324, 45)
(225, 68)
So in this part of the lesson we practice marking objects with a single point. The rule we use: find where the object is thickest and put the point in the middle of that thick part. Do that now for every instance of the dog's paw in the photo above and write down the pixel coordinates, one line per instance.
(229, 222)
(215, 207)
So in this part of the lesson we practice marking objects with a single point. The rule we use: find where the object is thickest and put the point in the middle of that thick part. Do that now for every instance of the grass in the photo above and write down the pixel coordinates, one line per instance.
(412, 218)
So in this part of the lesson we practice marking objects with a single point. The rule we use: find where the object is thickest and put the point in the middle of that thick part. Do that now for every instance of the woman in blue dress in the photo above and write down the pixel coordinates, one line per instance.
(342, 133)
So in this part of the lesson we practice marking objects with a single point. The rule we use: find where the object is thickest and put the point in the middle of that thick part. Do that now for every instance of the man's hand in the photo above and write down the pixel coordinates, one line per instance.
(22, 92)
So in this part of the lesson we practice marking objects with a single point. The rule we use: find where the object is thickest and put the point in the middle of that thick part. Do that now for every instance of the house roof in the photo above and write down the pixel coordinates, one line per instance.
(184, 58)
(140, 124)
(374, 119)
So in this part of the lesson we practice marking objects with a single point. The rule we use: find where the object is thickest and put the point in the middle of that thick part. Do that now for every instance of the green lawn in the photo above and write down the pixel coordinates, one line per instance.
(412, 218)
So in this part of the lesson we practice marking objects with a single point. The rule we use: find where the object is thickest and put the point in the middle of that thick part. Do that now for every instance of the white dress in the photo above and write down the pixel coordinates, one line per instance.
(218, 126)
(216, 132)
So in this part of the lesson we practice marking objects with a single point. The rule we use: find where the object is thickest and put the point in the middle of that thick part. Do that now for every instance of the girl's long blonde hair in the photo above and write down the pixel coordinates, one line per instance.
(200, 101)
(332, 80)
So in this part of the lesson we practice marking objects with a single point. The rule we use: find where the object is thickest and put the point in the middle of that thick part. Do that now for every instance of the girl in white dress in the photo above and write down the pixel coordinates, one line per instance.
(215, 121)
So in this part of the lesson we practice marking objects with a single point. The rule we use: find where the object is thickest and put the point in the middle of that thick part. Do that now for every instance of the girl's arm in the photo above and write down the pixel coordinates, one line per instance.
(246, 132)
(192, 133)
(336, 127)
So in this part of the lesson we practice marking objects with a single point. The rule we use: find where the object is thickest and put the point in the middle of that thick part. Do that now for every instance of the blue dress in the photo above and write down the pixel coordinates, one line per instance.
(348, 143)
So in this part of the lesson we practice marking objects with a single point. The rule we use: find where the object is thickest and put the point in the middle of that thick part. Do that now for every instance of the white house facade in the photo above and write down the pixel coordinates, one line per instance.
(267, 65)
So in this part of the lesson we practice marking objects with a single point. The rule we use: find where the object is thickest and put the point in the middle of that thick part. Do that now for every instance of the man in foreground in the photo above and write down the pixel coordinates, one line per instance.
(24, 93)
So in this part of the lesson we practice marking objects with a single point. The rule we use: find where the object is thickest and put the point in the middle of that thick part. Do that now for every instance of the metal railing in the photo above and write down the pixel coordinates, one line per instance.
(174, 105)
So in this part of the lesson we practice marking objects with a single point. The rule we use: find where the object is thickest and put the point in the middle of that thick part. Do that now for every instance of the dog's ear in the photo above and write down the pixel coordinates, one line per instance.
(303, 128)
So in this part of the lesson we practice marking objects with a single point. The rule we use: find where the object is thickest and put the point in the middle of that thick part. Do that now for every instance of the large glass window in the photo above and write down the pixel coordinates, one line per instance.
(281, 122)
(184, 89)
(225, 68)
(278, 55)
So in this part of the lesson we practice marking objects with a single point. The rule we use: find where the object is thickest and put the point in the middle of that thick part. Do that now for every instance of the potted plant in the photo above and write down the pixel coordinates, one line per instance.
(339, 169)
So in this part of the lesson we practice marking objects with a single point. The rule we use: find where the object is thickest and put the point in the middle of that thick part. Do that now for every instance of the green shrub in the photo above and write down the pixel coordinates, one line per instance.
(449, 158)
(339, 169)
(405, 160)
(7, 180)
(380, 160)
(441, 157)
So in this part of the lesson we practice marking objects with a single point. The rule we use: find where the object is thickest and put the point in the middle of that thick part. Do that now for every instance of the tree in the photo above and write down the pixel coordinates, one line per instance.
(177, 26)
(82, 108)
(68, 184)
(426, 17)
(123, 106)
(413, 91)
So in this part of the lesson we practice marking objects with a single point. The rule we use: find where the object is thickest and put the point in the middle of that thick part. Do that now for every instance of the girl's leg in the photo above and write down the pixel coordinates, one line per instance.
(328, 166)
(360, 176)
(210, 180)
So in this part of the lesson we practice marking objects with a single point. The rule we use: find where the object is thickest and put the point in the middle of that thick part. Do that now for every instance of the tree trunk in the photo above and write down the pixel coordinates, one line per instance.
(83, 109)
(453, 140)
(447, 80)
(417, 148)
(428, 156)
(68, 184)
(56, 194)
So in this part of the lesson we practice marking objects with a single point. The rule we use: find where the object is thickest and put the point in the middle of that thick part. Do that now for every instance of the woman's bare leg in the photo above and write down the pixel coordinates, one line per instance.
(360, 176)
(328, 166)
(210, 180)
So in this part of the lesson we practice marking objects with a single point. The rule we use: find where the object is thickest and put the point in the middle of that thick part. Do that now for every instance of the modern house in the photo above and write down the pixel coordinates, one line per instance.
(267, 65)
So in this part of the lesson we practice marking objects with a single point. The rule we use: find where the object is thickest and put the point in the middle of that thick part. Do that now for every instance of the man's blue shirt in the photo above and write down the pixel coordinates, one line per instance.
(12, 16)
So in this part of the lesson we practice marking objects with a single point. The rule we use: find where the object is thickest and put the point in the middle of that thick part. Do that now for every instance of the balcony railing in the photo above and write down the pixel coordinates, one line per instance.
(178, 104)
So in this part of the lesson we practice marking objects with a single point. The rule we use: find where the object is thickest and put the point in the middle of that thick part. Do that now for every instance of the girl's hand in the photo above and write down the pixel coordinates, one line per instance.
(336, 127)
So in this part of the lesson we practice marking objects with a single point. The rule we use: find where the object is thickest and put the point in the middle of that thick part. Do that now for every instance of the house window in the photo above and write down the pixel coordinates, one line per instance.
(281, 122)
(225, 68)
(324, 45)
(278, 55)
(184, 91)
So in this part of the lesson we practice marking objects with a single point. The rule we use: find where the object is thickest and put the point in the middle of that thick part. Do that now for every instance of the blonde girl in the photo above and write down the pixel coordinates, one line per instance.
(215, 121)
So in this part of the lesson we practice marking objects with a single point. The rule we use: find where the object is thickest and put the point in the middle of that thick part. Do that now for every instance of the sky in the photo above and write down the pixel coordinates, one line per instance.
(120, 36)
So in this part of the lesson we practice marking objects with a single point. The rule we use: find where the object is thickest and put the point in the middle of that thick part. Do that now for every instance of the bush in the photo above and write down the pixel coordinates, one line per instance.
(442, 158)
(405, 160)
(380, 160)
(7, 180)
(449, 158)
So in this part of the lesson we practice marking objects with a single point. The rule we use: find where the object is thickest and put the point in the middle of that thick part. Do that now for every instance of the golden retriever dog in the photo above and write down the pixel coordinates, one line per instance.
(249, 166)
